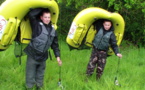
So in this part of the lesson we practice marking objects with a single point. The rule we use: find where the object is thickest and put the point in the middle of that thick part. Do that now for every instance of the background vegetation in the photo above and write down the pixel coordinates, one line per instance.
(133, 12)
(131, 68)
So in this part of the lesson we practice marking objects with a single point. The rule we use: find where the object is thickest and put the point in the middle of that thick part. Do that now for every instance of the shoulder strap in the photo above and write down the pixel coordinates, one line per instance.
(43, 28)
(18, 50)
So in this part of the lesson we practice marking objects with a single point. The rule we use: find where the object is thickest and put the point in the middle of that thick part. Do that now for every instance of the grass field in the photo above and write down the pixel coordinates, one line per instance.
(130, 76)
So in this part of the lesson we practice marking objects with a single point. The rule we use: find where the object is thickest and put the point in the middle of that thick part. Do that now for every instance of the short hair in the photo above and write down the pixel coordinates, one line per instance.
(106, 20)
(45, 10)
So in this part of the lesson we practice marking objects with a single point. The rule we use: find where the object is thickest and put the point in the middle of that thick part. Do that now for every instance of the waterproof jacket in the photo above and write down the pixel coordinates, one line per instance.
(104, 39)
(43, 37)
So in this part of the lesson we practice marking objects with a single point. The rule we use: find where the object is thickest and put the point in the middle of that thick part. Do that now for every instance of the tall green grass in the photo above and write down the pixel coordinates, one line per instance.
(130, 75)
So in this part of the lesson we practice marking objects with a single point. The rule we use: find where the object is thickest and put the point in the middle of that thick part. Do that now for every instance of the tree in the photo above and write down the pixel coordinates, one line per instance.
(1, 1)
(133, 12)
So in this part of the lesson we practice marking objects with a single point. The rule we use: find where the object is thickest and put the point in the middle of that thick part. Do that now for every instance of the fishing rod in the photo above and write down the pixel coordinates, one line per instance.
(116, 82)
(59, 80)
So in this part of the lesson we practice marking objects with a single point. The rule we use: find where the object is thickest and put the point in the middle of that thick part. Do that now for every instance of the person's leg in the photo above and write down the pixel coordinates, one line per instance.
(40, 74)
(101, 64)
(92, 63)
(30, 72)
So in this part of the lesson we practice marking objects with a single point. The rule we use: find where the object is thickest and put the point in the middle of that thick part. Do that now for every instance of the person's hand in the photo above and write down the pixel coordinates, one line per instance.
(59, 61)
(119, 55)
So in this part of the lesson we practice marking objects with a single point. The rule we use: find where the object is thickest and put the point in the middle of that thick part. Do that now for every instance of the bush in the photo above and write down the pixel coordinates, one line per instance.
(132, 11)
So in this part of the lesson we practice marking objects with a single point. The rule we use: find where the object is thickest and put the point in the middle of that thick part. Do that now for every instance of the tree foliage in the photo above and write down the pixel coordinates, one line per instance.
(133, 12)
(1, 1)
(134, 15)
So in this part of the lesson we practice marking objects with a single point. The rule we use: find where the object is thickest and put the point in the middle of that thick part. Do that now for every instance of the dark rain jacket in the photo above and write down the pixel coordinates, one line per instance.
(105, 39)
(37, 31)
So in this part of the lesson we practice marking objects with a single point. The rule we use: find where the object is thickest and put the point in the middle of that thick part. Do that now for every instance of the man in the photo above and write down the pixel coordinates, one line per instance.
(103, 39)
(43, 37)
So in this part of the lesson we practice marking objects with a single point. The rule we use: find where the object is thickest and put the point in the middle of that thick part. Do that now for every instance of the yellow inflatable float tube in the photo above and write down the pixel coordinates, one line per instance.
(82, 28)
(12, 13)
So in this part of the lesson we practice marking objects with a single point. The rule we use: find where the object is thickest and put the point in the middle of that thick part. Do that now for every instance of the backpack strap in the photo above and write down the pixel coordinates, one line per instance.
(49, 54)
(18, 50)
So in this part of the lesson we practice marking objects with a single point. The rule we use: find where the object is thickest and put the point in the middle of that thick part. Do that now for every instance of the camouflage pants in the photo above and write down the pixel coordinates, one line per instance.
(97, 58)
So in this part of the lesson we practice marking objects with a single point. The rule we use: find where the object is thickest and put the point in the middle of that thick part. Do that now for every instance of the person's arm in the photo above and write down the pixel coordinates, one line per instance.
(55, 47)
(98, 24)
(114, 45)
(34, 21)
(33, 13)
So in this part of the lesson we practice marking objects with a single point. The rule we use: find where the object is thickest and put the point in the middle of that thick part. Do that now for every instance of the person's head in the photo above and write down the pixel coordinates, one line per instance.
(107, 24)
(45, 16)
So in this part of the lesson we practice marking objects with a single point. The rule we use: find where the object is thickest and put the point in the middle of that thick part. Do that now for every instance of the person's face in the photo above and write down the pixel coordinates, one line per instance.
(46, 17)
(107, 25)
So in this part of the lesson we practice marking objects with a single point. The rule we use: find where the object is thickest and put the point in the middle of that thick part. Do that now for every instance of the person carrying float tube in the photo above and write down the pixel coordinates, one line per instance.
(43, 37)
(103, 39)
